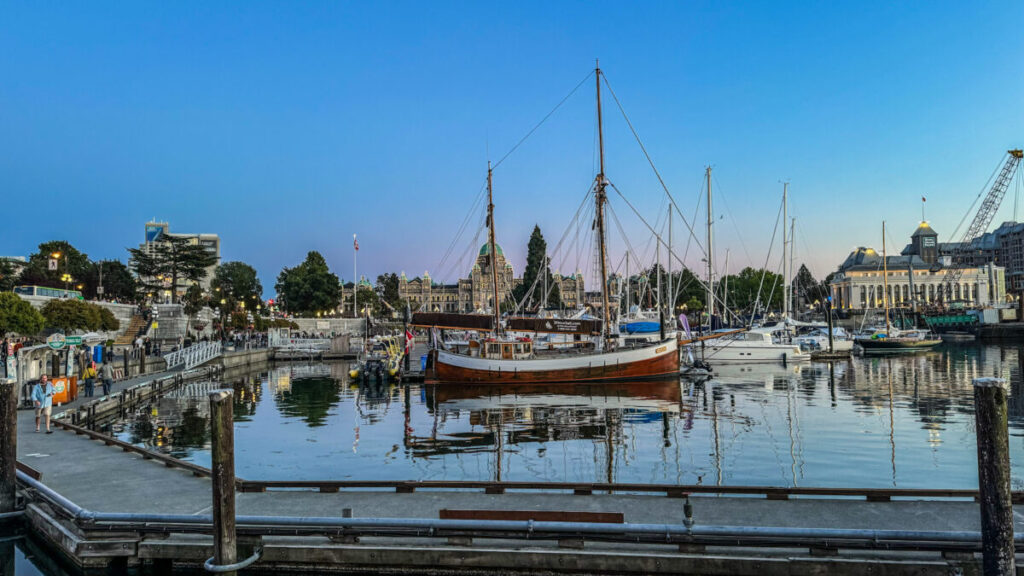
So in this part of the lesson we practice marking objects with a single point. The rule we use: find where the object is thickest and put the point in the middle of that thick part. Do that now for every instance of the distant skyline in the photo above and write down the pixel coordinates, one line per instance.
(288, 127)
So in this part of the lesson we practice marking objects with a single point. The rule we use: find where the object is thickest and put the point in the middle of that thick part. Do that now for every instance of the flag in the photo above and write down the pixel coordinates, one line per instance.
(355, 243)
(408, 340)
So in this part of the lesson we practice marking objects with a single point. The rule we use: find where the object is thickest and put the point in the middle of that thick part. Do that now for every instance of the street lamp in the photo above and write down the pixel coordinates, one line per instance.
(56, 256)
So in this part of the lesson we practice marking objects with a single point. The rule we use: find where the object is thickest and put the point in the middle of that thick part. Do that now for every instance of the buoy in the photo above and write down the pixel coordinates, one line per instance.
(353, 373)
(393, 371)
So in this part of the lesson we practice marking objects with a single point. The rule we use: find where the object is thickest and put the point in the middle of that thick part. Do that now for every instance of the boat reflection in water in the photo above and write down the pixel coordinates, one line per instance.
(510, 415)
(876, 422)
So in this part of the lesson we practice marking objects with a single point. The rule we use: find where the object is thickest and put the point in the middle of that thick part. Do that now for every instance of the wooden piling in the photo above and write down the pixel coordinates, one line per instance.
(990, 414)
(8, 445)
(222, 440)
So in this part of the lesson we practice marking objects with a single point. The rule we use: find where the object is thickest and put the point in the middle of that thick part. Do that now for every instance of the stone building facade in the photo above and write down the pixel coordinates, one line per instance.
(475, 293)
(916, 276)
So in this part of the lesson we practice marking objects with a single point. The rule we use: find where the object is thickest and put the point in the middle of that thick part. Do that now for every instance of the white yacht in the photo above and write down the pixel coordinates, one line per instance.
(754, 345)
(817, 339)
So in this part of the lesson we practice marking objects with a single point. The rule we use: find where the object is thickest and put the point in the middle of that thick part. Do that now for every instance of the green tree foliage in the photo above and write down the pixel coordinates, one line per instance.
(70, 315)
(806, 288)
(118, 282)
(17, 316)
(71, 261)
(173, 258)
(308, 287)
(743, 290)
(387, 288)
(194, 300)
(537, 265)
(237, 282)
(368, 298)
(8, 276)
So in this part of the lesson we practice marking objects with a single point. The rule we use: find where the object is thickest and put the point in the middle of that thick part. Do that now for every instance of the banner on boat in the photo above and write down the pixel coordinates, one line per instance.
(554, 325)
(481, 322)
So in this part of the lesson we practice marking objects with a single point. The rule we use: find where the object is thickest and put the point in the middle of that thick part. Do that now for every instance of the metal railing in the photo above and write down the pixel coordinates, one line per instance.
(689, 532)
(195, 355)
(316, 344)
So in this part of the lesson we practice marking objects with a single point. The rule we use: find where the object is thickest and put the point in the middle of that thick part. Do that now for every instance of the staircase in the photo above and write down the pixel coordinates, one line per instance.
(132, 332)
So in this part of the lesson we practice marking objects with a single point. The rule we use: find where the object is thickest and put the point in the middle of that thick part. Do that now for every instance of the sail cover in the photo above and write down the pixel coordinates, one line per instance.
(554, 325)
(481, 322)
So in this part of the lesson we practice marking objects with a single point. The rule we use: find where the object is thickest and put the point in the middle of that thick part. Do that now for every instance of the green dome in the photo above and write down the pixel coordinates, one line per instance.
(485, 250)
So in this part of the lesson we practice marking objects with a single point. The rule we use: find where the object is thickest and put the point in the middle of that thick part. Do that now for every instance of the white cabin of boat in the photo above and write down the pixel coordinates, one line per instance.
(503, 349)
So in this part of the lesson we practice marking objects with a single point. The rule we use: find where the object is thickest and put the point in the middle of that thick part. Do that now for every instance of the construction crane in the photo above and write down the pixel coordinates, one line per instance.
(981, 222)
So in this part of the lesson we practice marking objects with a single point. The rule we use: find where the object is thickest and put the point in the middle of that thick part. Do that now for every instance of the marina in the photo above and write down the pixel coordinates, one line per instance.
(615, 301)
(776, 434)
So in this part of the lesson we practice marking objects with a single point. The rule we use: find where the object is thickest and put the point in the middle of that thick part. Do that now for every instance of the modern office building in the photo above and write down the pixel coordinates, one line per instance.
(157, 232)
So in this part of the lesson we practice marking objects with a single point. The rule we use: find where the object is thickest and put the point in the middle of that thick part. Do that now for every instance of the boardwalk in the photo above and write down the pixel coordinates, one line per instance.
(106, 479)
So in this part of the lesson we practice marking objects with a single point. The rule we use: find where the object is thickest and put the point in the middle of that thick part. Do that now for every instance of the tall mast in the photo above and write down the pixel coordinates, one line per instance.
(671, 296)
(494, 250)
(785, 245)
(790, 296)
(600, 198)
(711, 251)
(885, 281)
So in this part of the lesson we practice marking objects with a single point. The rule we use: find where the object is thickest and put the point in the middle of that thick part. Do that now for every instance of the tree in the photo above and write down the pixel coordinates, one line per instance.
(68, 314)
(537, 270)
(805, 287)
(387, 286)
(118, 282)
(172, 259)
(753, 286)
(237, 282)
(17, 316)
(193, 302)
(8, 275)
(308, 287)
(71, 262)
(368, 298)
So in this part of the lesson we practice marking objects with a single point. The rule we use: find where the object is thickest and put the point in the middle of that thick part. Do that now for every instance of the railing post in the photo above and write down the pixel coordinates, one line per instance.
(990, 414)
(222, 440)
(8, 445)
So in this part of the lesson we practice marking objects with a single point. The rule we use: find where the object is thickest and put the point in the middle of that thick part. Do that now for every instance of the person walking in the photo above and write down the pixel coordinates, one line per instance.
(107, 377)
(89, 377)
(42, 398)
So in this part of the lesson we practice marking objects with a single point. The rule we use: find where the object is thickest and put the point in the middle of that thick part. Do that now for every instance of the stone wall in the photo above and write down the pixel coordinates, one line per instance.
(123, 312)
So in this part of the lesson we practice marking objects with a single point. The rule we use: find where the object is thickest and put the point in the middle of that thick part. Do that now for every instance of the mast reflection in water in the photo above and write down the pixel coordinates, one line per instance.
(874, 422)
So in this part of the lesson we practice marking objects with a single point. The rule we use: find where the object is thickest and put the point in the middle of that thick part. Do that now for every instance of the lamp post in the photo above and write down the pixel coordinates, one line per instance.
(65, 277)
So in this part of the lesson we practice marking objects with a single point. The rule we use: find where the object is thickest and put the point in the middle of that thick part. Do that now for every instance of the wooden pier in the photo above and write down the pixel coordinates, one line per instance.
(101, 475)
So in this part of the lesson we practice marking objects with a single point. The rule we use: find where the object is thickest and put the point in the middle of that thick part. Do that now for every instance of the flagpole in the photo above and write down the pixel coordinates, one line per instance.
(355, 278)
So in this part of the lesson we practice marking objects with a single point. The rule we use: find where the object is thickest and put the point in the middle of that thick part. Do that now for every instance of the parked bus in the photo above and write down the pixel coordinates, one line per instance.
(47, 292)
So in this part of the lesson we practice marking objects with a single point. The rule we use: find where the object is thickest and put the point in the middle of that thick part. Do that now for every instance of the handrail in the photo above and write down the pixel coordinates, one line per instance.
(689, 532)
(147, 454)
(198, 353)
(586, 488)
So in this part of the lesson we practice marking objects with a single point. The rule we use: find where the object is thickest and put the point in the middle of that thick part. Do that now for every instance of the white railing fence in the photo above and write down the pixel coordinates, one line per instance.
(195, 355)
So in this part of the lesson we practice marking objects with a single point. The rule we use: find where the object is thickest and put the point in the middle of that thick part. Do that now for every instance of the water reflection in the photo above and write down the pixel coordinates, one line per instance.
(874, 422)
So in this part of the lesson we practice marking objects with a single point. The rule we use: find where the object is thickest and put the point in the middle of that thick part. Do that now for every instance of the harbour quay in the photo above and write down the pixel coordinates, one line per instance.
(99, 498)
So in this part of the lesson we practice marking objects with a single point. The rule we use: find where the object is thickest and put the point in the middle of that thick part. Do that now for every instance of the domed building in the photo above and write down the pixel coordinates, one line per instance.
(917, 276)
(476, 293)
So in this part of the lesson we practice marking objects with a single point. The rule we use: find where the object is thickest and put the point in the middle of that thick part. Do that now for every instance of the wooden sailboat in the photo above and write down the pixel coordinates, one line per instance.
(500, 359)
(892, 341)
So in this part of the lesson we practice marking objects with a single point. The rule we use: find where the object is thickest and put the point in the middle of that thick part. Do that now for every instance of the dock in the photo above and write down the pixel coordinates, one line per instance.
(407, 525)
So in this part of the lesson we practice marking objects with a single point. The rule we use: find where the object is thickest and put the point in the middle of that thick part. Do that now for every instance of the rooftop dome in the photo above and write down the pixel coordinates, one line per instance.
(485, 250)
(924, 229)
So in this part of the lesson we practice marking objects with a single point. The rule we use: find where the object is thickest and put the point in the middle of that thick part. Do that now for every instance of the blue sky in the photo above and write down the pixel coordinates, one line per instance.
(287, 127)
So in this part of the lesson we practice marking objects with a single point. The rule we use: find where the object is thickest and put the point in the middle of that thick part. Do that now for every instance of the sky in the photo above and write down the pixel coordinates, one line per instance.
(286, 127)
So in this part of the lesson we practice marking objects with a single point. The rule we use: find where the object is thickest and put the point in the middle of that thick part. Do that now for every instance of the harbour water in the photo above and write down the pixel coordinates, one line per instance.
(903, 422)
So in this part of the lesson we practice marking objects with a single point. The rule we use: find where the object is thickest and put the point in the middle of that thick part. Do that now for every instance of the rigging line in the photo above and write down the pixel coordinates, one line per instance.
(650, 161)
(465, 222)
(700, 282)
(732, 217)
(534, 129)
(767, 258)
(529, 293)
